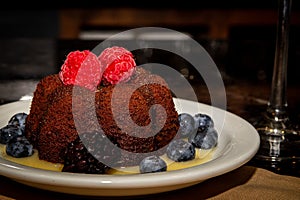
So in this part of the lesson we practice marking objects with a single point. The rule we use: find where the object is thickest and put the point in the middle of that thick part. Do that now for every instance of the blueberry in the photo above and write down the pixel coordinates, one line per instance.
(19, 147)
(204, 139)
(186, 124)
(180, 150)
(152, 164)
(203, 121)
(19, 120)
(8, 132)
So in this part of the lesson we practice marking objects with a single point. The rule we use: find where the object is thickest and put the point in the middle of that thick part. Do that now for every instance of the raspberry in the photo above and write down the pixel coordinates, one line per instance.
(81, 68)
(118, 64)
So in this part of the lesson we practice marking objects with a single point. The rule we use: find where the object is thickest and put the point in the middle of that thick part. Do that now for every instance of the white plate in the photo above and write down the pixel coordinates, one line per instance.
(238, 143)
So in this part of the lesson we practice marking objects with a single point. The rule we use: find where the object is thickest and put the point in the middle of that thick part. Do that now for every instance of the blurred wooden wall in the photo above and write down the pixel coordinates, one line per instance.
(217, 21)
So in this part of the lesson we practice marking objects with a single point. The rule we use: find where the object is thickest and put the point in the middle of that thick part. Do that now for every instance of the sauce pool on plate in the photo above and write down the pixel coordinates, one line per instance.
(202, 156)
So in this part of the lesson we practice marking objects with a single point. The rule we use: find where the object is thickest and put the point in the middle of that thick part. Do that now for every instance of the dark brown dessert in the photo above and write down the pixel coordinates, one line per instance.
(50, 124)
(129, 110)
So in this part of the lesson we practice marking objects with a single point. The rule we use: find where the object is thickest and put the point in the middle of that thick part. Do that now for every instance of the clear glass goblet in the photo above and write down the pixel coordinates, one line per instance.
(280, 139)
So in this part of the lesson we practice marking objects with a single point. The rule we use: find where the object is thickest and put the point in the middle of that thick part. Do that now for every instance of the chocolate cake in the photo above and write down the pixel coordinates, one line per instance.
(37, 110)
(143, 98)
(51, 128)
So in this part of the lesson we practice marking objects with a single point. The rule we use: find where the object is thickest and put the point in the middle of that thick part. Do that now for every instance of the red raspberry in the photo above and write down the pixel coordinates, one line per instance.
(81, 68)
(118, 64)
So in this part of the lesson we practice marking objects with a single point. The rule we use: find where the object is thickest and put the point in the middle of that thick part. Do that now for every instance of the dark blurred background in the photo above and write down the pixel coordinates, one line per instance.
(239, 35)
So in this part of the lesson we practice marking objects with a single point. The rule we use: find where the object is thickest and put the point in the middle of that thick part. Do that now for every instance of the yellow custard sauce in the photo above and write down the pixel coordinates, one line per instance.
(201, 157)
(31, 161)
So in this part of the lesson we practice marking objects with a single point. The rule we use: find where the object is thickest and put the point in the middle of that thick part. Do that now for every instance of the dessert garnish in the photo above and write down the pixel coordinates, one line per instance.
(187, 124)
(180, 150)
(203, 121)
(152, 164)
(14, 128)
(19, 120)
(205, 136)
(8, 132)
(118, 64)
(12, 135)
(81, 68)
(19, 147)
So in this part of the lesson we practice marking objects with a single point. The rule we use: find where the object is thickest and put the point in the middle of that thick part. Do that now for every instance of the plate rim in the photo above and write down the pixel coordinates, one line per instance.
(193, 175)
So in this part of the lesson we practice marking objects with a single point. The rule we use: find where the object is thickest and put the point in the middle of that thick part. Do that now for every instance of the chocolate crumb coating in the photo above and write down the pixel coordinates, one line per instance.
(39, 105)
(59, 113)
(58, 127)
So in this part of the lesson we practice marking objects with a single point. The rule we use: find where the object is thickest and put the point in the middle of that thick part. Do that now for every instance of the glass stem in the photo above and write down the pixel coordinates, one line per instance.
(277, 105)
